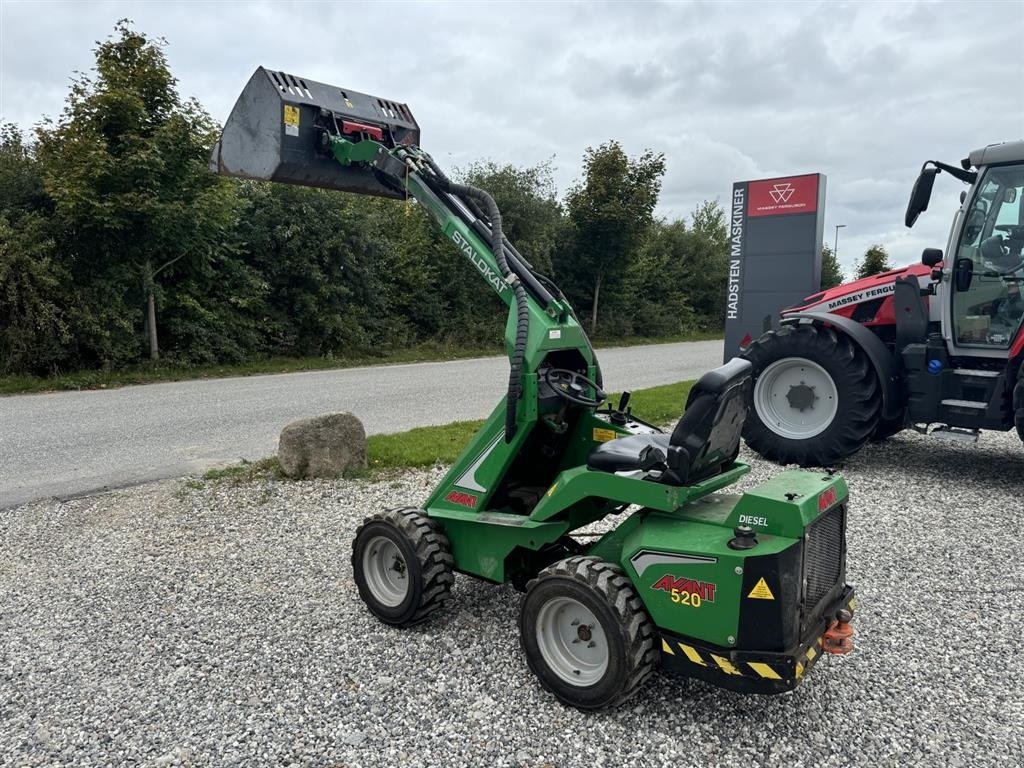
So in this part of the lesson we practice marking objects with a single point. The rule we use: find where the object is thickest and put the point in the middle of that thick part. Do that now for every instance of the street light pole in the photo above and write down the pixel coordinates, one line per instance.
(835, 246)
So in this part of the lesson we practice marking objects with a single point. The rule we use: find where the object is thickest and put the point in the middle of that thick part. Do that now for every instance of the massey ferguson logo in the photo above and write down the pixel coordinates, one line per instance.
(782, 192)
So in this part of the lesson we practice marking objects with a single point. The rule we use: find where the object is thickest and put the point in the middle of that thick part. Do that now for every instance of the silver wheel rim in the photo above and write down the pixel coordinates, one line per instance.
(385, 571)
(571, 641)
(796, 398)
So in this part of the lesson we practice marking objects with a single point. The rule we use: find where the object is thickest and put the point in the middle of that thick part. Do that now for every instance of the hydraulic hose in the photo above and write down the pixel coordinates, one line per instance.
(557, 293)
(547, 284)
(515, 376)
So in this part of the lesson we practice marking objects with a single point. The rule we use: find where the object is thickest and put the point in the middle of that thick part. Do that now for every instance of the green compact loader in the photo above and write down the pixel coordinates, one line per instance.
(745, 591)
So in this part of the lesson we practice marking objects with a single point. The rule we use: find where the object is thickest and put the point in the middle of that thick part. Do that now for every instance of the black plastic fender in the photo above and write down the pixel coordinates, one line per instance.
(881, 359)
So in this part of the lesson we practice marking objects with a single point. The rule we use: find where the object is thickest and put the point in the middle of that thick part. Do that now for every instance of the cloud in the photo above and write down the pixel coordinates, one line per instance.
(861, 92)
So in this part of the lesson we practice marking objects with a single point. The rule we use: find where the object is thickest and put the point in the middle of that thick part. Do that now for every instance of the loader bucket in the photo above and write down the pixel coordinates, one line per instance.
(280, 126)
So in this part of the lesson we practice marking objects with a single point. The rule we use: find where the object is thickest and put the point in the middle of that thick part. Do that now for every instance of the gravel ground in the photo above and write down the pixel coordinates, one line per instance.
(217, 624)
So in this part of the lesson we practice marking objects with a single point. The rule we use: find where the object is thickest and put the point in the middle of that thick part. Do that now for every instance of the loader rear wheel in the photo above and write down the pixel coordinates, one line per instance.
(402, 565)
(586, 634)
(815, 398)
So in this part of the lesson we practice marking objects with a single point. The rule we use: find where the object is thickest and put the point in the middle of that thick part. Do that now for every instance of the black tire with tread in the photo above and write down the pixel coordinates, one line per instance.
(887, 428)
(427, 554)
(860, 397)
(605, 589)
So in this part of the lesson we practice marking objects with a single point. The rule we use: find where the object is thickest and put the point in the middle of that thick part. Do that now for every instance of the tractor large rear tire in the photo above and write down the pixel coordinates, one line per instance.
(1018, 403)
(815, 400)
(586, 633)
(402, 565)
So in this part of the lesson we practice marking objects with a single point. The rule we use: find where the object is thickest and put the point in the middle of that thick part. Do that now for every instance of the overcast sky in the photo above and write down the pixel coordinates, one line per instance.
(863, 92)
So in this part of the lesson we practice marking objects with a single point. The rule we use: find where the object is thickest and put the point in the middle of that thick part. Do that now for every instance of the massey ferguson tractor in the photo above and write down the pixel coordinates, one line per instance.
(937, 346)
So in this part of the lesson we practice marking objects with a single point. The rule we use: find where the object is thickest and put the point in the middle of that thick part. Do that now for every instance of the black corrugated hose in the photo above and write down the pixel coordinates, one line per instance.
(515, 376)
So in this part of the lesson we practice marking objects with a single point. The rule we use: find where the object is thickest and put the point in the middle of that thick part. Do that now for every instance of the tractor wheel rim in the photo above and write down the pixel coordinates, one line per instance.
(572, 641)
(386, 572)
(796, 398)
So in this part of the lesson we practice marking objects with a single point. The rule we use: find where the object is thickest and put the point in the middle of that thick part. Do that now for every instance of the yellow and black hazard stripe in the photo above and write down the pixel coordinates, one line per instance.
(722, 664)
(744, 671)
(809, 656)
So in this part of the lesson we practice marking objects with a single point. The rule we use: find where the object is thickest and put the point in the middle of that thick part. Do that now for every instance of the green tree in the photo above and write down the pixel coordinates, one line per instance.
(610, 211)
(658, 281)
(33, 303)
(126, 165)
(319, 261)
(678, 280)
(532, 218)
(707, 260)
(875, 262)
(831, 272)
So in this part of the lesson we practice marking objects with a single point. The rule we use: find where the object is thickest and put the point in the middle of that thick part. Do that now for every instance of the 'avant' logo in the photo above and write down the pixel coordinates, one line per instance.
(782, 192)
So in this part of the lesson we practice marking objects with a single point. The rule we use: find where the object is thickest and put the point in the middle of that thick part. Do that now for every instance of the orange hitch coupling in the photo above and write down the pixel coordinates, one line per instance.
(838, 639)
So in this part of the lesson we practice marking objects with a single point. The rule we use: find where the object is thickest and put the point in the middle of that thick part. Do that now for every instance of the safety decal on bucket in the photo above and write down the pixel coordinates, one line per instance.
(761, 591)
(291, 120)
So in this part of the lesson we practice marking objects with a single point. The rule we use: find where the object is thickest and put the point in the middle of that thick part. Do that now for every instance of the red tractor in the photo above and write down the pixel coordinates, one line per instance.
(936, 346)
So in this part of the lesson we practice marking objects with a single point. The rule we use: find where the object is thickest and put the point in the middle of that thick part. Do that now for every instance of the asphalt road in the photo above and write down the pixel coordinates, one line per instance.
(67, 443)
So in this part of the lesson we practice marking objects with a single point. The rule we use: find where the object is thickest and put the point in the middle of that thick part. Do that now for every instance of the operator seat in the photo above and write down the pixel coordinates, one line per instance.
(705, 440)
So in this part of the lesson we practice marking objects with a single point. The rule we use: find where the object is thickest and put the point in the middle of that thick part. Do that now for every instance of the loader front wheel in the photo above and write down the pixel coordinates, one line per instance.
(402, 565)
(586, 634)
(815, 399)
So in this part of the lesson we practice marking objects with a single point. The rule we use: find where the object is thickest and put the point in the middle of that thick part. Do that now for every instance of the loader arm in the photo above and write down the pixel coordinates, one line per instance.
(294, 130)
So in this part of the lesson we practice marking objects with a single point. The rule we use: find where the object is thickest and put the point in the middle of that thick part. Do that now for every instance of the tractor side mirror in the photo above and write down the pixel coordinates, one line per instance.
(931, 256)
(963, 274)
(920, 195)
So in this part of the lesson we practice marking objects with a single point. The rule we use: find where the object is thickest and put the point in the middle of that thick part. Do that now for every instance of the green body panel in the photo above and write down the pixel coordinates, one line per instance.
(767, 508)
(703, 528)
(715, 617)
(348, 152)
(574, 485)
(481, 542)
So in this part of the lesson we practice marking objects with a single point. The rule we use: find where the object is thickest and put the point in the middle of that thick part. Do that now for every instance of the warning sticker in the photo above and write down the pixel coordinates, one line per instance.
(604, 435)
(761, 591)
(291, 120)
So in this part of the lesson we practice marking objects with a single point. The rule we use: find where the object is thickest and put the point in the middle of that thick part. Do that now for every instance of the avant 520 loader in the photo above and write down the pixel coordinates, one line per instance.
(744, 591)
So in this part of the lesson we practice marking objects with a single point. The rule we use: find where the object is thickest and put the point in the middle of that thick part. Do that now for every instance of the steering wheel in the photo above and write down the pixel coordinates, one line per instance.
(1013, 231)
(570, 386)
(995, 252)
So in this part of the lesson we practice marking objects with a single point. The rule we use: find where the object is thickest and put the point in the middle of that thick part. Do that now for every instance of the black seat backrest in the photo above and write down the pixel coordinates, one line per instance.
(911, 314)
(708, 434)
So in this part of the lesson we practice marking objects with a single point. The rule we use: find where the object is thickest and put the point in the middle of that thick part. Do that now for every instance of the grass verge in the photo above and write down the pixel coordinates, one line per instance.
(150, 373)
(427, 446)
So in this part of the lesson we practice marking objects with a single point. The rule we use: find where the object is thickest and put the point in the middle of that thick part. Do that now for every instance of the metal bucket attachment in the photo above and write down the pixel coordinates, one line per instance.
(280, 126)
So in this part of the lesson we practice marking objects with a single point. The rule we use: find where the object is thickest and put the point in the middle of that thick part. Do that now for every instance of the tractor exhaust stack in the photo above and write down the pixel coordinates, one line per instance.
(280, 129)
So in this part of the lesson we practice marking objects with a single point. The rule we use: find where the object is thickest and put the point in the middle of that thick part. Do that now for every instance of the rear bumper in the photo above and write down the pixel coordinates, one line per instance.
(764, 672)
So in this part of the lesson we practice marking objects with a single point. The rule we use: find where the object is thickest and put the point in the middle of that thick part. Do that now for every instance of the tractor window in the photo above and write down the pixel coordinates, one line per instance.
(990, 311)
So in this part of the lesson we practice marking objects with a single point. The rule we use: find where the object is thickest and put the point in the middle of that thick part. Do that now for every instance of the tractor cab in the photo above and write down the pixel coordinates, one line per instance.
(987, 267)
